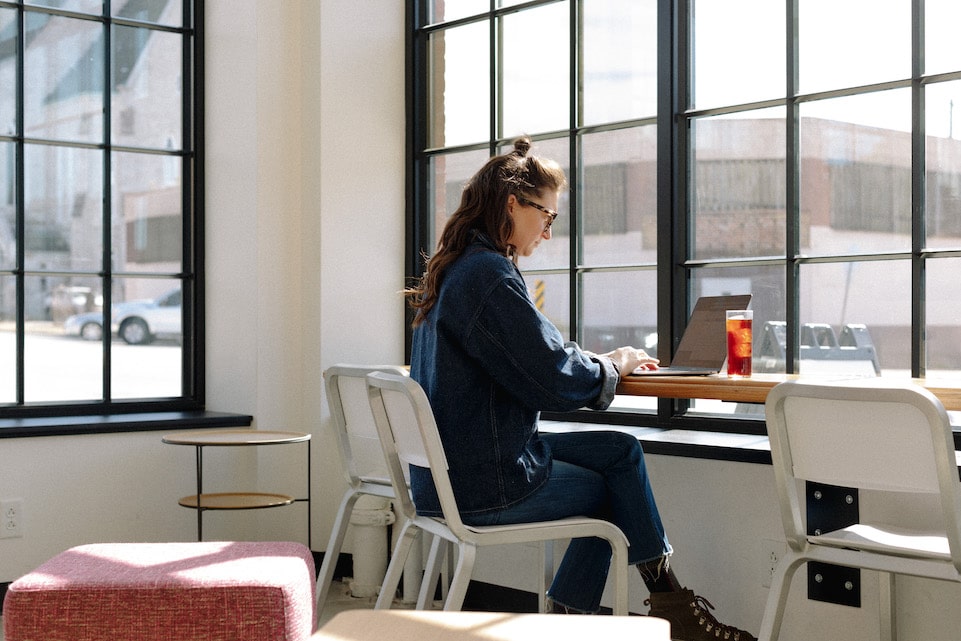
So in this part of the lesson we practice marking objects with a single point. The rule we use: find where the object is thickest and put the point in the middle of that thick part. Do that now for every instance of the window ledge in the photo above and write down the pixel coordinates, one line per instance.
(719, 446)
(113, 423)
(722, 446)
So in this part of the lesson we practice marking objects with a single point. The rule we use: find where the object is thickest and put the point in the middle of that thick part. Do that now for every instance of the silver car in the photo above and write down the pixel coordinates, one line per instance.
(136, 322)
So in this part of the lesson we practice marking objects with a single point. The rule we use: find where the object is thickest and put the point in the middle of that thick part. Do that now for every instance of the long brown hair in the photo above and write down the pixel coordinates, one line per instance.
(483, 208)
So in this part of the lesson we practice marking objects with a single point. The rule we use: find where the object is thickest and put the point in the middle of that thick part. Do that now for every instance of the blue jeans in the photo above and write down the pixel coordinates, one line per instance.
(602, 475)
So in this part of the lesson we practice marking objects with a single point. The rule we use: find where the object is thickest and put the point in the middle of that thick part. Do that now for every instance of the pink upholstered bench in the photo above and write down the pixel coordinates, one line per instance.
(217, 591)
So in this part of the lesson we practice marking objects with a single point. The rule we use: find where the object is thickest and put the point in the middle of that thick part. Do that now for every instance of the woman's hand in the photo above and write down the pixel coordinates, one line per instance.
(628, 359)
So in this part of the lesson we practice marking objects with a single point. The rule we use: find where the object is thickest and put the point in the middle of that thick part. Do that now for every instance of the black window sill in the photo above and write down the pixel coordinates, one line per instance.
(719, 446)
(115, 423)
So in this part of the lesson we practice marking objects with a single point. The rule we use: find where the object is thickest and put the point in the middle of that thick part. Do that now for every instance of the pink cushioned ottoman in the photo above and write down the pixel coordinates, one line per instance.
(217, 591)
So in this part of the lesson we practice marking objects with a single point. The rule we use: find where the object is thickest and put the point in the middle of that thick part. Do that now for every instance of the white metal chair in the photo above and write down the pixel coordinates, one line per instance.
(360, 452)
(409, 435)
(873, 436)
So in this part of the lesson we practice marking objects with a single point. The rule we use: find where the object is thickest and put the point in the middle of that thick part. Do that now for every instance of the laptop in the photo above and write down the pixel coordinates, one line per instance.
(703, 346)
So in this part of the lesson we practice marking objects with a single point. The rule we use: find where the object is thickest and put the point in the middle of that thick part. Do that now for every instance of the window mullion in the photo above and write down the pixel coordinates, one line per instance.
(107, 213)
(576, 37)
(674, 161)
(793, 191)
(496, 77)
(918, 173)
(20, 215)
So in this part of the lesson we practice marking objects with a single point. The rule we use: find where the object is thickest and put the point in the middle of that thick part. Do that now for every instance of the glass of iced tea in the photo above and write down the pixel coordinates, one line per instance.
(739, 338)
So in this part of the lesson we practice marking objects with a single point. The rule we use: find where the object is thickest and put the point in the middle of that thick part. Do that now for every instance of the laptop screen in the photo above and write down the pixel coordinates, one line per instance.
(704, 343)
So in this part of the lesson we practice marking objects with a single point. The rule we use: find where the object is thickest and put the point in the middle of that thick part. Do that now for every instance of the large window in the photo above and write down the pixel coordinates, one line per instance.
(99, 221)
(803, 151)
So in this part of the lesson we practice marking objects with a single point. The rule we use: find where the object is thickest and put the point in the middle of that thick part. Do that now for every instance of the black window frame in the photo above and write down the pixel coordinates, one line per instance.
(676, 265)
(109, 414)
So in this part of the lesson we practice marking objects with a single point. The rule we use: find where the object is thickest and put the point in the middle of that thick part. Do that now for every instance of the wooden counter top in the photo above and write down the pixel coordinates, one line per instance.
(753, 389)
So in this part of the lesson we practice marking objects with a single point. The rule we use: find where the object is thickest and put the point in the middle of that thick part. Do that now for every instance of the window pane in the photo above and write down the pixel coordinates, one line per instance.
(619, 308)
(8, 340)
(56, 367)
(943, 331)
(943, 179)
(82, 6)
(738, 188)
(459, 87)
(64, 199)
(8, 199)
(555, 253)
(146, 362)
(766, 283)
(443, 10)
(449, 173)
(551, 294)
(148, 224)
(168, 12)
(852, 43)
(8, 298)
(619, 83)
(875, 295)
(63, 79)
(536, 95)
(619, 197)
(738, 51)
(856, 174)
(146, 93)
(941, 20)
(8, 78)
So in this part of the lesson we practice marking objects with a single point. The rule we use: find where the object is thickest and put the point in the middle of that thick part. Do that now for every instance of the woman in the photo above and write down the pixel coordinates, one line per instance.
(489, 362)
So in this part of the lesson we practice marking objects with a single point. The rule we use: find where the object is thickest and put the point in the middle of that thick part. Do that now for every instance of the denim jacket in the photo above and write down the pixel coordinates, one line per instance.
(489, 362)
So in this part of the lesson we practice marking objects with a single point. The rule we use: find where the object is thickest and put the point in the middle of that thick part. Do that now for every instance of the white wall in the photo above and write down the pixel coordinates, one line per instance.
(305, 238)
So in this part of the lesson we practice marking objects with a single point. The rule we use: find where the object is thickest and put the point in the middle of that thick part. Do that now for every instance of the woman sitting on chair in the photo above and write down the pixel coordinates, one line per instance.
(489, 362)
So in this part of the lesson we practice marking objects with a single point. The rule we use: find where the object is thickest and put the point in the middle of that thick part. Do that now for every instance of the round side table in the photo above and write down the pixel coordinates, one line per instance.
(202, 502)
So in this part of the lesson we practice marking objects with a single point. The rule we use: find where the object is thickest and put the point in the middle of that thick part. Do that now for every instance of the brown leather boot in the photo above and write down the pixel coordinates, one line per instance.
(691, 619)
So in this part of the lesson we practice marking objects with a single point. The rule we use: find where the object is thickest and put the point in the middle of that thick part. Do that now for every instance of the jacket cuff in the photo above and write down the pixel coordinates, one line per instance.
(609, 380)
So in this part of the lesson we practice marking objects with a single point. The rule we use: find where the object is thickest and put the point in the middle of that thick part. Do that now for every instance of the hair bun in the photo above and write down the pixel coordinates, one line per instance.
(522, 145)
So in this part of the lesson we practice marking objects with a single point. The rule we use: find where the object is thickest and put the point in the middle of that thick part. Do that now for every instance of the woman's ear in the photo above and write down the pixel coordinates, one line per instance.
(511, 201)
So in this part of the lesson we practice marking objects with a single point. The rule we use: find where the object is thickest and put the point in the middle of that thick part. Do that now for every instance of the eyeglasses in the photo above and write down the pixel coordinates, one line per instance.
(551, 214)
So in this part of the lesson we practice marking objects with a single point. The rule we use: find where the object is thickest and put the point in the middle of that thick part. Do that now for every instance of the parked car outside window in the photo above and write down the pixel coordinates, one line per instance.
(135, 322)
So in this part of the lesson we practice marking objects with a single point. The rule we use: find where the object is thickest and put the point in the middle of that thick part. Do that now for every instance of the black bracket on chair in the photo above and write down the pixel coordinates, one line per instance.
(830, 507)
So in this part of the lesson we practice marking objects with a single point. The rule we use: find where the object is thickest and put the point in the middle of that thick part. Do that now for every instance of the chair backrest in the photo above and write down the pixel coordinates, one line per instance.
(357, 437)
(867, 434)
(409, 436)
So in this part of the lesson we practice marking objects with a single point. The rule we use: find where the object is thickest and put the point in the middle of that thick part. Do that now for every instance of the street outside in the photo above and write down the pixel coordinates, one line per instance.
(66, 368)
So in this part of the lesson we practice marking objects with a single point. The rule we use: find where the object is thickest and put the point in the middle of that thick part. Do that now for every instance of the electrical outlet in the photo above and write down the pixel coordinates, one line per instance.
(772, 551)
(11, 518)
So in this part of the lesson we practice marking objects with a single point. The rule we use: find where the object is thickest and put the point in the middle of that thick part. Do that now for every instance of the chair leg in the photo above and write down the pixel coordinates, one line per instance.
(432, 570)
(777, 598)
(887, 606)
(413, 571)
(395, 569)
(447, 569)
(547, 572)
(619, 565)
(336, 542)
(467, 553)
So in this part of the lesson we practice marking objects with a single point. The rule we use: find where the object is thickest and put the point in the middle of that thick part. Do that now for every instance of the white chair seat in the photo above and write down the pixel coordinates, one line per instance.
(887, 540)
